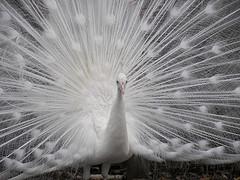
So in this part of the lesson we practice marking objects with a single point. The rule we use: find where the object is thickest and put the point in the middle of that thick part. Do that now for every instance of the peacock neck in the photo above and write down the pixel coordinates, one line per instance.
(116, 136)
(117, 118)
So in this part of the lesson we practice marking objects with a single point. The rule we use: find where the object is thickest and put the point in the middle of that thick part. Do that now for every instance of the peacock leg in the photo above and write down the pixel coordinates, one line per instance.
(105, 170)
(76, 171)
(86, 172)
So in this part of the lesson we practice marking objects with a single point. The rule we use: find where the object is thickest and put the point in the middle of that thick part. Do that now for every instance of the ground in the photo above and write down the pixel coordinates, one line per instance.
(139, 169)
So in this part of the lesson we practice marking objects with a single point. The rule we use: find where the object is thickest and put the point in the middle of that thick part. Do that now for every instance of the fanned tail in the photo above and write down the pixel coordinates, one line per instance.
(184, 87)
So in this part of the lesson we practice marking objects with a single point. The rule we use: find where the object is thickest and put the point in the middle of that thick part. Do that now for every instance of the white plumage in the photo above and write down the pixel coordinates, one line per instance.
(177, 95)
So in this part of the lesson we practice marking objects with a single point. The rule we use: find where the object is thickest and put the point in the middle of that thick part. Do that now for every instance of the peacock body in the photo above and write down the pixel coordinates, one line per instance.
(88, 82)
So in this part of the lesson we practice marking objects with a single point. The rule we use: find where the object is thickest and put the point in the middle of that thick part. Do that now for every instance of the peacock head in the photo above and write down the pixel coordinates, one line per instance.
(121, 83)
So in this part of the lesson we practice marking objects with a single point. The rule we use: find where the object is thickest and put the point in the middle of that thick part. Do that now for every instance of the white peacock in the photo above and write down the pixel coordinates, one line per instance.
(65, 100)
